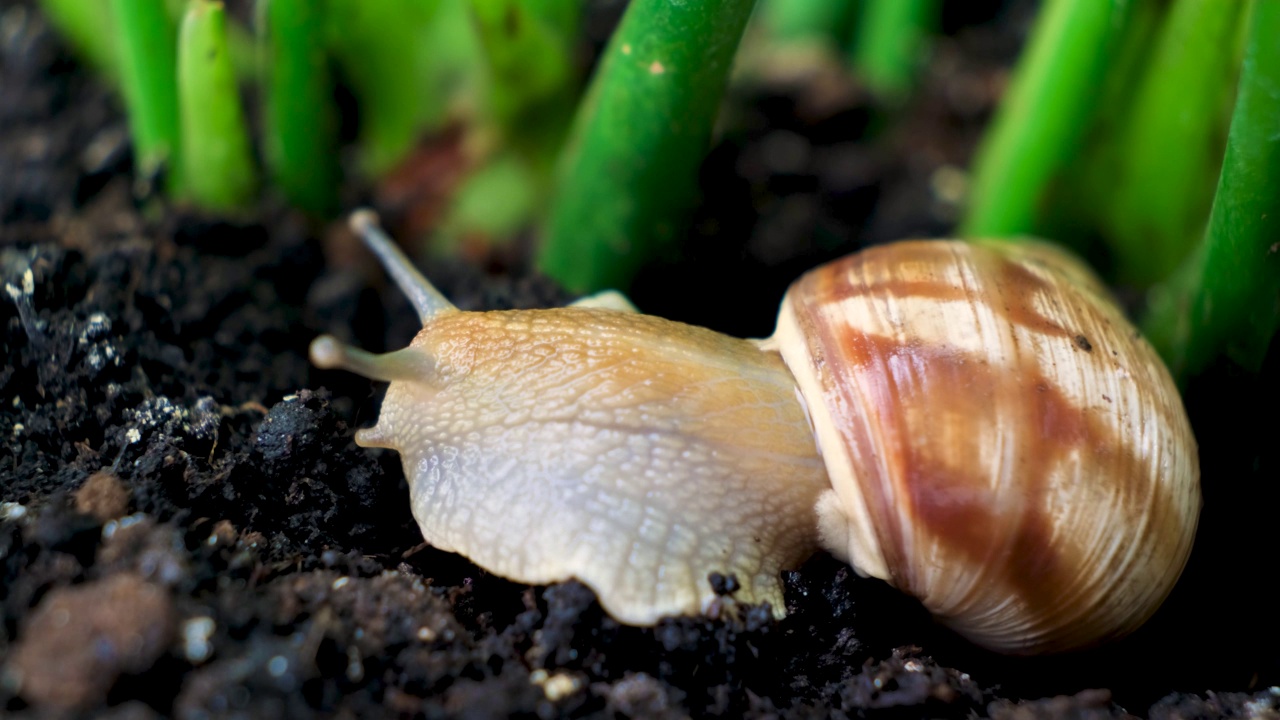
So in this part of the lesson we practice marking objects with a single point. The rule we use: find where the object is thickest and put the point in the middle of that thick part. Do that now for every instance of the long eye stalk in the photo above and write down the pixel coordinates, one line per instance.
(426, 299)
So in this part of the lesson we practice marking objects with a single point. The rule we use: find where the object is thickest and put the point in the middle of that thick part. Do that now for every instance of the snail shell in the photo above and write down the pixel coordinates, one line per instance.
(1002, 443)
(976, 424)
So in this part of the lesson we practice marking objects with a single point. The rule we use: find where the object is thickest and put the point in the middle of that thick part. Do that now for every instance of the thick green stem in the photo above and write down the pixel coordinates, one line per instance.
(218, 160)
(1160, 197)
(300, 129)
(148, 78)
(1043, 117)
(892, 38)
(87, 26)
(1227, 297)
(629, 172)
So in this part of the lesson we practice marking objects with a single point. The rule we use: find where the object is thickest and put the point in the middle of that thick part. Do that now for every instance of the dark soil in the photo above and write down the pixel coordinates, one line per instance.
(188, 530)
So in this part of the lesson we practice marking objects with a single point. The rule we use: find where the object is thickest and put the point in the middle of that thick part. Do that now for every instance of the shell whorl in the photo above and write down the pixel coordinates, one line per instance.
(1002, 443)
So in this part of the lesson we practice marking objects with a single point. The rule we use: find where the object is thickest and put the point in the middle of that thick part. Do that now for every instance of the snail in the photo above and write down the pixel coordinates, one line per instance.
(975, 423)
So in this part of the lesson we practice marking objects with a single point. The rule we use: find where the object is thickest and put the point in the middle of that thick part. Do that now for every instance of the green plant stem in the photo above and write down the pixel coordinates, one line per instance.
(218, 160)
(300, 128)
(1227, 297)
(87, 26)
(1171, 145)
(1082, 195)
(629, 171)
(148, 79)
(892, 36)
(1044, 115)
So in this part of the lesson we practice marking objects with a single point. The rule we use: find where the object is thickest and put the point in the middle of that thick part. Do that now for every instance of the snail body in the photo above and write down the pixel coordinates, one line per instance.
(978, 425)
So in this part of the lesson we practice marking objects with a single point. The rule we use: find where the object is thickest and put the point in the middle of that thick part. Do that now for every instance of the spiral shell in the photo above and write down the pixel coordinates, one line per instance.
(1002, 443)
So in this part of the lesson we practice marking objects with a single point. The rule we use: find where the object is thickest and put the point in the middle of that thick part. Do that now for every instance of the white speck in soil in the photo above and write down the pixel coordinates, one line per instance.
(114, 526)
(277, 666)
(355, 668)
(96, 327)
(195, 634)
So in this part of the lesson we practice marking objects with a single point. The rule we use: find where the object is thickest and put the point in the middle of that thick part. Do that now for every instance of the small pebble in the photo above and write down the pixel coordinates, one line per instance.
(81, 638)
(102, 496)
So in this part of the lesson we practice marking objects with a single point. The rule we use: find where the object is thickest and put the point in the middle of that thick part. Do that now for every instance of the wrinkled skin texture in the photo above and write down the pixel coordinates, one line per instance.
(633, 453)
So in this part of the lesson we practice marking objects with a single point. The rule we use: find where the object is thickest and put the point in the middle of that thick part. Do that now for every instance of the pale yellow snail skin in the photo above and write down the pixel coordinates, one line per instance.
(976, 424)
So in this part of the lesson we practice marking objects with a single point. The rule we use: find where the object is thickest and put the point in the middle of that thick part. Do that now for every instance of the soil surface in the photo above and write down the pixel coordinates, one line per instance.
(188, 530)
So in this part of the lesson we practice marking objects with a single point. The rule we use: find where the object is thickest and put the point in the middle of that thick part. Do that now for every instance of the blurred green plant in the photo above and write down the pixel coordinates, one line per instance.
(886, 42)
(1112, 135)
(1111, 132)
(1045, 113)
(529, 50)
(219, 168)
(1226, 297)
(528, 98)
(1159, 197)
(300, 127)
(88, 27)
(388, 54)
(404, 61)
(823, 21)
(148, 62)
(891, 43)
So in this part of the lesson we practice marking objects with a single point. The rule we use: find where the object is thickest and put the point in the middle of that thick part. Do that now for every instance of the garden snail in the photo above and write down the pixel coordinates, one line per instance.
(974, 423)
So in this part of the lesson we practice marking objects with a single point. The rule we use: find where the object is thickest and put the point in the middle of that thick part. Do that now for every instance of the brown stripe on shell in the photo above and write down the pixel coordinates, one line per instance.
(889, 394)
(854, 271)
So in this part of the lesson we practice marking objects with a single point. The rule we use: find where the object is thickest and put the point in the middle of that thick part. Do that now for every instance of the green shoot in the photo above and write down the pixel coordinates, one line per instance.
(218, 160)
(1171, 145)
(628, 173)
(86, 24)
(300, 128)
(892, 39)
(148, 79)
(1083, 193)
(1041, 123)
(1227, 297)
